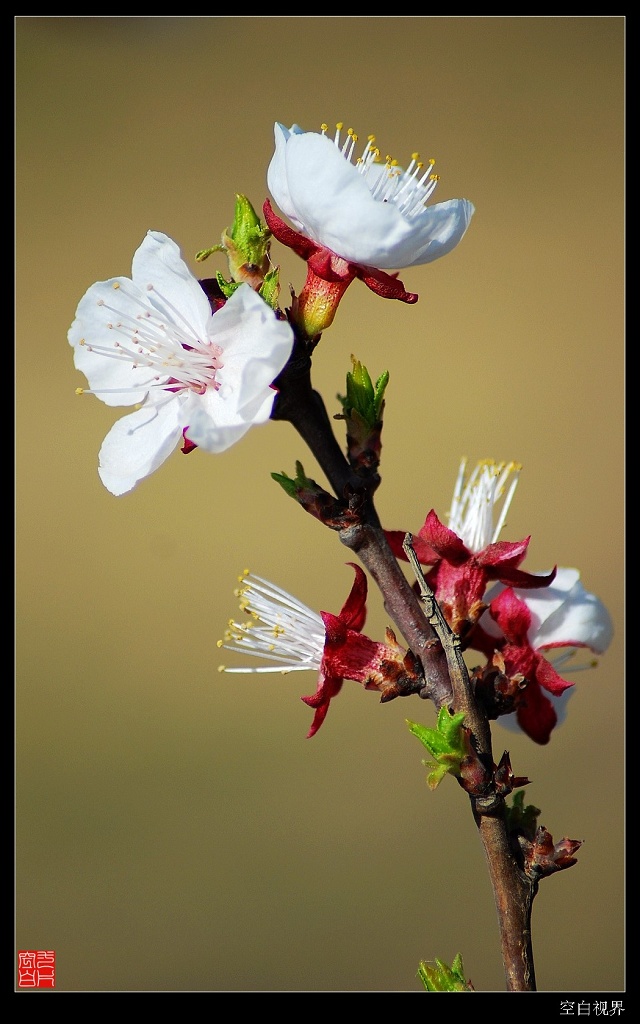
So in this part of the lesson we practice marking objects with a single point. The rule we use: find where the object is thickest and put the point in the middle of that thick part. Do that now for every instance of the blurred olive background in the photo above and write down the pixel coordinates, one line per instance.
(175, 828)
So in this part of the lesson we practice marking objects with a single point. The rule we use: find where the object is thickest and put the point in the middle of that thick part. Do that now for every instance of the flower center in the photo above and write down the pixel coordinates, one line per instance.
(407, 189)
(279, 629)
(157, 335)
(474, 503)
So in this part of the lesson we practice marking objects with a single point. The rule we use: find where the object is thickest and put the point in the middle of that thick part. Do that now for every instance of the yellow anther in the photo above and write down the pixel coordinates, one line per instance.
(339, 125)
(79, 391)
(434, 177)
(432, 161)
(324, 127)
(82, 342)
(371, 138)
(219, 643)
(415, 156)
(115, 285)
(222, 668)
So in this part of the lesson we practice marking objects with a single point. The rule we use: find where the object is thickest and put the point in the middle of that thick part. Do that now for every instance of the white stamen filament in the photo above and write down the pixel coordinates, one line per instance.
(278, 628)
(474, 503)
(407, 189)
(170, 345)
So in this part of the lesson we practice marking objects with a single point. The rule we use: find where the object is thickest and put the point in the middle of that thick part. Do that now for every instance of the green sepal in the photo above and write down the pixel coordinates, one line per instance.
(250, 237)
(446, 743)
(270, 287)
(437, 976)
(521, 818)
(226, 287)
(246, 244)
(204, 254)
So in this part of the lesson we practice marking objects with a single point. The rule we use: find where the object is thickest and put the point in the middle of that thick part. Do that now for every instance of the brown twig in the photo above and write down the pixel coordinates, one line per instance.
(513, 891)
(438, 649)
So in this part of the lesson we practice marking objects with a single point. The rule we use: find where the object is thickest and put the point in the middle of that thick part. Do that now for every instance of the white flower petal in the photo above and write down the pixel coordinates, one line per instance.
(441, 227)
(329, 200)
(581, 619)
(562, 614)
(175, 291)
(541, 603)
(138, 444)
(95, 341)
(277, 173)
(256, 346)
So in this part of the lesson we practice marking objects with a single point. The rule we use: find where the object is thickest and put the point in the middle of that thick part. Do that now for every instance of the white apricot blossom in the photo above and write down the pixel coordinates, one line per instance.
(370, 212)
(195, 376)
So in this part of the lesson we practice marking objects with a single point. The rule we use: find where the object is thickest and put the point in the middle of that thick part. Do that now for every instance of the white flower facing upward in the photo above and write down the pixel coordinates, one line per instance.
(370, 212)
(152, 341)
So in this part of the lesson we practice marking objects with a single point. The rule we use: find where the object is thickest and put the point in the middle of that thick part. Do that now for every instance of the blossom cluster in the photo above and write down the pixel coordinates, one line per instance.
(527, 625)
(200, 360)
